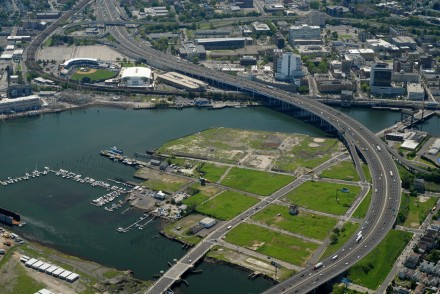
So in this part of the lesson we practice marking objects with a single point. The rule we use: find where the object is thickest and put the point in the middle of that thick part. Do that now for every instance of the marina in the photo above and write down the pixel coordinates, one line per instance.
(137, 224)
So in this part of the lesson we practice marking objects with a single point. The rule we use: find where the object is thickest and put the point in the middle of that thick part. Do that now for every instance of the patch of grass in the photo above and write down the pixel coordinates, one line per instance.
(212, 172)
(185, 224)
(344, 170)
(275, 244)
(366, 172)
(373, 269)
(161, 182)
(202, 193)
(321, 196)
(25, 283)
(362, 209)
(344, 234)
(413, 212)
(111, 274)
(227, 205)
(98, 75)
(238, 258)
(301, 155)
(306, 224)
(257, 182)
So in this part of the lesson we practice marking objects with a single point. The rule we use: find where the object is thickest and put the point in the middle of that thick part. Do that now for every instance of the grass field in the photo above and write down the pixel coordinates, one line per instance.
(257, 182)
(301, 155)
(321, 196)
(344, 234)
(373, 269)
(362, 209)
(306, 224)
(98, 75)
(203, 193)
(161, 182)
(213, 172)
(277, 245)
(366, 172)
(344, 170)
(226, 205)
(415, 209)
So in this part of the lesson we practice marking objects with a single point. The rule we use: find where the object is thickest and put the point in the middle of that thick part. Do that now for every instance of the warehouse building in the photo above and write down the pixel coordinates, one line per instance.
(136, 77)
(224, 43)
(181, 81)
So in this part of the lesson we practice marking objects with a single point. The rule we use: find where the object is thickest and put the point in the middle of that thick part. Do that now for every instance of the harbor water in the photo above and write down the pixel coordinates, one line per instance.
(58, 211)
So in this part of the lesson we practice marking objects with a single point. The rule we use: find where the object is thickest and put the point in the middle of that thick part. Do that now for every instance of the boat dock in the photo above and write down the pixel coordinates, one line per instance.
(27, 176)
(137, 223)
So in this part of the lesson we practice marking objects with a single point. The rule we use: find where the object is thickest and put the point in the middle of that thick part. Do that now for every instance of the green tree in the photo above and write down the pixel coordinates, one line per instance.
(315, 5)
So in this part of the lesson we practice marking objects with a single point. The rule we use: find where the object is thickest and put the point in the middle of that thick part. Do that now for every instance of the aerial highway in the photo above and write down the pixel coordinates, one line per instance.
(385, 178)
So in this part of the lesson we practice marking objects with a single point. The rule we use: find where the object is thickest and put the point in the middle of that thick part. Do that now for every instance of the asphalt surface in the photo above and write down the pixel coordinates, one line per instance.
(386, 182)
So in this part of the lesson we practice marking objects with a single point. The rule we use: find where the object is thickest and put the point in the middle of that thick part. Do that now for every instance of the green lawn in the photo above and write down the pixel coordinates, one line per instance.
(257, 182)
(202, 193)
(362, 209)
(373, 269)
(367, 174)
(227, 205)
(306, 224)
(98, 75)
(275, 244)
(213, 172)
(24, 282)
(344, 170)
(321, 196)
(415, 209)
(344, 234)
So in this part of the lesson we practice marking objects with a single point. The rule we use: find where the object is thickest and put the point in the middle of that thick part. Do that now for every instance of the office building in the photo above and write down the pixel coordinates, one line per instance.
(304, 32)
(287, 67)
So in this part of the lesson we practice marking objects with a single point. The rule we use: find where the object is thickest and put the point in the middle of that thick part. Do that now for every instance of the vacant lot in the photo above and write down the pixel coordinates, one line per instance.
(306, 224)
(201, 193)
(257, 182)
(308, 153)
(373, 269)
(179, 229)
(268, 242)
(226, 205)
(212, 172)
(414, 210)
(161, 182)
(344, 170)
(323, 196)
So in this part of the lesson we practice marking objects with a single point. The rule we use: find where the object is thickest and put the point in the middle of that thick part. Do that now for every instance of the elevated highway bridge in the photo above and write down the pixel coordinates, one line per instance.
(385, 201)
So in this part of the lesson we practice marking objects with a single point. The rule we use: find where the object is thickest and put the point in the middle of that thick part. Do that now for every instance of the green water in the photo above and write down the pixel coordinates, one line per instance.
(57, 210)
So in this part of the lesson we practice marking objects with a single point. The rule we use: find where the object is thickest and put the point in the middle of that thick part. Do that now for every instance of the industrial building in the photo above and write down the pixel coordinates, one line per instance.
(207, 222)
(224, 43)
(136, 77)
(316, 18)
(189, 50)
(181, 81)
(8, 106)
(380, 81)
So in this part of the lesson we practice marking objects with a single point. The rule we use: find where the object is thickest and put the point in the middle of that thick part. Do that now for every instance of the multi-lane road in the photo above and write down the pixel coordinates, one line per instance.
(385, 178)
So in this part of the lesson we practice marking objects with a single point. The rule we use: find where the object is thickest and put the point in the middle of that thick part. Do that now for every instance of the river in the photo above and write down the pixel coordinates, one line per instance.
(58, 212)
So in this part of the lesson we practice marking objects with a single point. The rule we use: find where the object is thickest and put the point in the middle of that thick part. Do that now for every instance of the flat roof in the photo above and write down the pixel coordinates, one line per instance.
(140, 72)
(51, 269)
(65, 274)
(32, 260)
(205, 40)
(182, 80)
(37, 264)
(58, 272)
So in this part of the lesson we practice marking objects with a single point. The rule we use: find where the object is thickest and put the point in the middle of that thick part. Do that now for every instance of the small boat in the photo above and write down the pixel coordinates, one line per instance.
(120, 230)
(116, 150)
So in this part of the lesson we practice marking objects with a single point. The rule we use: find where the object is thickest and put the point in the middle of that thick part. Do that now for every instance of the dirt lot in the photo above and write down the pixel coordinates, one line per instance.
(62, 53)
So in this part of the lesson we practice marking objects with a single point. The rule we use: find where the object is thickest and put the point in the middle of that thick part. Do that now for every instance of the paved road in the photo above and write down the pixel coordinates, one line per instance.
(386, 182)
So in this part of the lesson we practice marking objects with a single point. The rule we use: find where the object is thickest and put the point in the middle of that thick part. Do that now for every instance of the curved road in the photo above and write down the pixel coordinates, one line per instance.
(386, 182)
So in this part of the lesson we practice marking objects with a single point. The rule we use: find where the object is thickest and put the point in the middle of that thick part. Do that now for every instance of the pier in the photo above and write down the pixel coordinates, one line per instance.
(137, 224)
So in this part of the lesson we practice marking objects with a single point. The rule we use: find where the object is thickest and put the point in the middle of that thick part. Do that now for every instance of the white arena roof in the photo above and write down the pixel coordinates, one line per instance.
(140, 72)
(73, 60)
